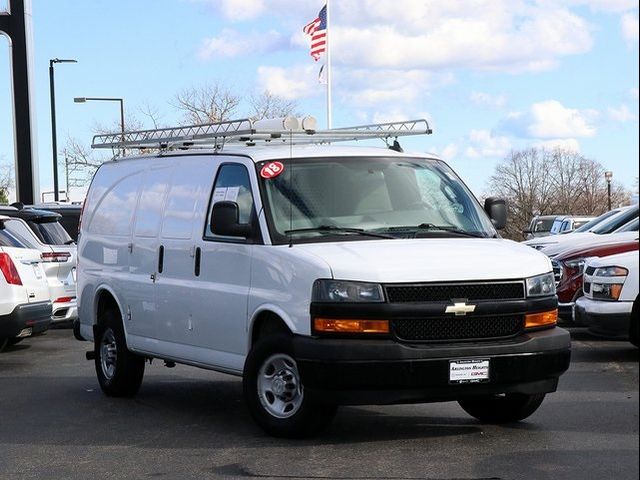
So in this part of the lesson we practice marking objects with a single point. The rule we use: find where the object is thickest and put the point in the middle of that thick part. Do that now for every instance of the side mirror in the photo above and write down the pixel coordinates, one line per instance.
(496, 208)
(224, 221)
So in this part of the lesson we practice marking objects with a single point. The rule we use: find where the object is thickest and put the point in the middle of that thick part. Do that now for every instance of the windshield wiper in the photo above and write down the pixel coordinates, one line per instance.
(334, 228)
(431, 227)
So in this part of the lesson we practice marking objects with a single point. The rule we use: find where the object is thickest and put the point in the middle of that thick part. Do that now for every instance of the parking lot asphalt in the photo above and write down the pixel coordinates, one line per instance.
(188, 423)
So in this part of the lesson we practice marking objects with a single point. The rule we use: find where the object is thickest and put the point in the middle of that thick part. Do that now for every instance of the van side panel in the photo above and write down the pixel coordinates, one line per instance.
(103, 250)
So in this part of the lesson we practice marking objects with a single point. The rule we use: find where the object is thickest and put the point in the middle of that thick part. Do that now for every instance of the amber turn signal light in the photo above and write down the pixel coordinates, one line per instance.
(332, 325)
(541, 319)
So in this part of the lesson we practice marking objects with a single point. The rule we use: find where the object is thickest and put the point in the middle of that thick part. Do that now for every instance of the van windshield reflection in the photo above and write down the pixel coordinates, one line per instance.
(320, 199)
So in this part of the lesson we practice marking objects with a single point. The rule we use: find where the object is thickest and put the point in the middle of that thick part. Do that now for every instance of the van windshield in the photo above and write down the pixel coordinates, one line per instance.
(317, 199)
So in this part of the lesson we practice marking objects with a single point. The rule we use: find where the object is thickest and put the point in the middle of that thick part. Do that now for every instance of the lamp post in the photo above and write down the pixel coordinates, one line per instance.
(54, 141)
(106, 99)
(608, 175)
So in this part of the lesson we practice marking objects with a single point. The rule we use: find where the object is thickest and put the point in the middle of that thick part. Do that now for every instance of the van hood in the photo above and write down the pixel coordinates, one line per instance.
(429, 260)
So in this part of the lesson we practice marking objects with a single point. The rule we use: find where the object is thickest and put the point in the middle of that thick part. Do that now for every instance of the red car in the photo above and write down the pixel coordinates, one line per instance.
(568, 267)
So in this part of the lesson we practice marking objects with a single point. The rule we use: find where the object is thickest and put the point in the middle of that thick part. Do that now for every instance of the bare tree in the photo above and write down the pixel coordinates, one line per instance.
(268, 105)
(543, 182)
(80, 162)
(7, 180)
(207, 104)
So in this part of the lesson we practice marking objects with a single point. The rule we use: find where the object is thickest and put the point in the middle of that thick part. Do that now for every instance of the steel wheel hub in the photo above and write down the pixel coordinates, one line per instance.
(279, 386)
(108, 354)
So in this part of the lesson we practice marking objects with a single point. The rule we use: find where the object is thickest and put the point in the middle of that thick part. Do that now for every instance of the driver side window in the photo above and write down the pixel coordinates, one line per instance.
(233, 185)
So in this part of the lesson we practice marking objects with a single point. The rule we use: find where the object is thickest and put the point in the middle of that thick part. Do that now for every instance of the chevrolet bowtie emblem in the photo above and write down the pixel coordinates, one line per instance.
(460, 308)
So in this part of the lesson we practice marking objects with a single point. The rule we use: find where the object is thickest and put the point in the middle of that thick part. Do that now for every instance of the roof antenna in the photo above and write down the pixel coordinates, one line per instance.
(396, 146)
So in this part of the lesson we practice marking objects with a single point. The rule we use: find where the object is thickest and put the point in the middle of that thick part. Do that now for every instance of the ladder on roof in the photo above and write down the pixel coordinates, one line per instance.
(288, 130)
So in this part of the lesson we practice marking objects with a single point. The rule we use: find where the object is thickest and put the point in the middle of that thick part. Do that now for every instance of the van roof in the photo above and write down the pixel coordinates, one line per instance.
(262, 153)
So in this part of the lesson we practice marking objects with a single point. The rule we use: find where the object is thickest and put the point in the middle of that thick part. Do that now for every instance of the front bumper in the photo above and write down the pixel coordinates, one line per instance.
(25, 320)
(383, 371)
(605, 318)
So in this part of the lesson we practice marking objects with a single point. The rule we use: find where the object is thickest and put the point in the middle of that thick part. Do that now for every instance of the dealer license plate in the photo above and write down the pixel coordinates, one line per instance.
(469, 371)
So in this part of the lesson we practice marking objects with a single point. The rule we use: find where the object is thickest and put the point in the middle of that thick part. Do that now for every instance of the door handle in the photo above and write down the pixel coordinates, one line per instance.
(153, 277)
(196, 270)
(160, 258)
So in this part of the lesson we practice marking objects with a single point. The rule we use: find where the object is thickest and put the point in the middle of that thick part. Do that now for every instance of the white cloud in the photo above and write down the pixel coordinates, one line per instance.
(487, 99)
(570, 144)
(450, 151)
(290, 83)
(622, 114)
(486, 34)
(232, 43)
(610, 6)
(630, 28)
(634, 93)
(550, 119)
(379, 86)
(502, 35)
(482, 143)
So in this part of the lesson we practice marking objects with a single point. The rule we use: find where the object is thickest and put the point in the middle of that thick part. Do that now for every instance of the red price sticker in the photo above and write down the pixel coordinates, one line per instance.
(272, 170)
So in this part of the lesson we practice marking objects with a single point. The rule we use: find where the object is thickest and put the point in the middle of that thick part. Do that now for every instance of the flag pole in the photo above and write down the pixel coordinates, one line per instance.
(328, 42)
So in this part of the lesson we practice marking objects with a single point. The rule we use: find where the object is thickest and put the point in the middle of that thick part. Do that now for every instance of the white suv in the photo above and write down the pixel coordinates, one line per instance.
(610, 306)
(59, 264)
(322, 275)
(25, 308)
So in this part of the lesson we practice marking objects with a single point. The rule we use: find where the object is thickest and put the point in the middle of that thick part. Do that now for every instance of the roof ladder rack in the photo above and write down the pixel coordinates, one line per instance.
(288, 130)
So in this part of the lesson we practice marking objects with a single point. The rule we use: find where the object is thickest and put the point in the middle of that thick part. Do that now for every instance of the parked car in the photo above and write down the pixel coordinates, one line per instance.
(570, 224)
(557, 223)
(323, 275)
(609, 225)
(568, 268)
(540, 226)
(631, 227)
(591, 225)
(610, 306)
(59, 260)
(69, 213)
(25, 308)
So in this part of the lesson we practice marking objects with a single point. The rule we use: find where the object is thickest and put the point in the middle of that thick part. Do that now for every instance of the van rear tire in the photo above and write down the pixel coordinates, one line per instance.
(119, 371)
(275, 395)
(3, 343)
(507, 408)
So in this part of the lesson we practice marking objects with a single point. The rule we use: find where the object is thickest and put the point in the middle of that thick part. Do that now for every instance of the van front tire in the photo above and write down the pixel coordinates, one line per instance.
(507, 408)
(119, 371)
(275, 394)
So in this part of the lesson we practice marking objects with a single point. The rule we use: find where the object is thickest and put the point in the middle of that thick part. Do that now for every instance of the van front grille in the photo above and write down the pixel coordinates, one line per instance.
(446, 292)
(459, 328)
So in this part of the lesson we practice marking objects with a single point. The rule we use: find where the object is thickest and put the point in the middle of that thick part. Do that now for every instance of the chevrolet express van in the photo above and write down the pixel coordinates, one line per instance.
(323, 275)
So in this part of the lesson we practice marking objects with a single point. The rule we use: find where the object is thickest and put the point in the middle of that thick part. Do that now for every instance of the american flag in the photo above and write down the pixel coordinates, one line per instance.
(317, 30)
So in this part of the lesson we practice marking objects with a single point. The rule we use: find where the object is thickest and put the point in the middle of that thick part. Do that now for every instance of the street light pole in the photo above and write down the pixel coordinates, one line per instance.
(107, 99)
(54, 140)
(608, 175)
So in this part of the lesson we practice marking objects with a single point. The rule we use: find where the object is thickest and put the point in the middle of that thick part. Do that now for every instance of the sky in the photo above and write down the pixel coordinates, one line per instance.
(491, 76)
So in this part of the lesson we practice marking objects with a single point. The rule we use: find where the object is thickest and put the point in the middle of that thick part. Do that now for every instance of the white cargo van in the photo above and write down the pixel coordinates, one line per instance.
(323, 275)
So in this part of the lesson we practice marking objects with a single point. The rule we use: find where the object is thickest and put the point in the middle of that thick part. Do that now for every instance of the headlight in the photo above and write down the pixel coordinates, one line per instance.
(611, 272)
(611, 281)
(541, 285)
(606, 291)
(345, 291)
(577, 265)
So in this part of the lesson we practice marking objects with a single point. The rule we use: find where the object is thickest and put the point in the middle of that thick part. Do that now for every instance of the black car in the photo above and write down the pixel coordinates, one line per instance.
(70, 213)
(45, 224)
